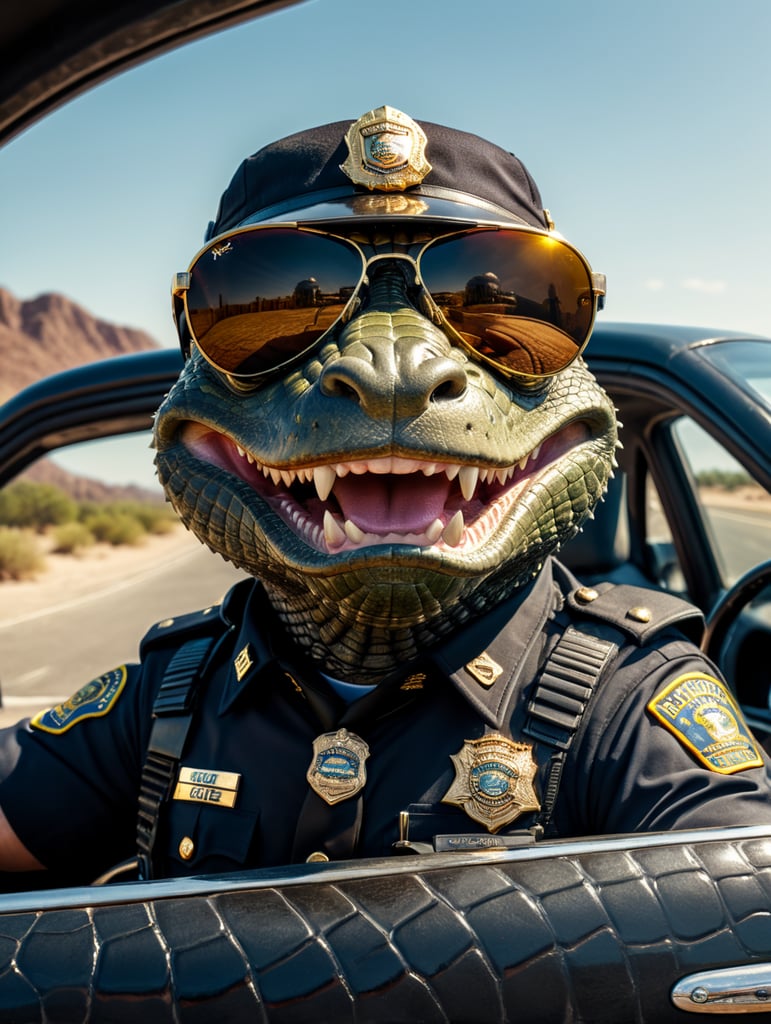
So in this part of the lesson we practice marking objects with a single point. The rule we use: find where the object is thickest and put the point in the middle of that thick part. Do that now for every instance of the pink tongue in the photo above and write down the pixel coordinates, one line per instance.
(391, 503)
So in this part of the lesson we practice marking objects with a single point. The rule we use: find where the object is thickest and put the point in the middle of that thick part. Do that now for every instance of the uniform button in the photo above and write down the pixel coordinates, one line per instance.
(186, 848)
(586, 595)
(317, 857)
(640, 614)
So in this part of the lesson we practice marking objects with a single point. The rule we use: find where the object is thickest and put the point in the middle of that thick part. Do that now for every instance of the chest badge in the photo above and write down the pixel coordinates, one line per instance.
(494, 781)
(337, 770)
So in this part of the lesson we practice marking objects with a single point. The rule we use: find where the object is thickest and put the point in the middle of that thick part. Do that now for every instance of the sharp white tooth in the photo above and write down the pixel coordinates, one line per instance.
(468, 477)
(288, 477)
(324, 478)
(501, 475)
(333, 534)
(434, 531)
(353, 533)
(452, 471)
(429, 468)
(240, 450)
(453, 532)
(522, 462)
(535, 452)
(275, 476)
(250, 459)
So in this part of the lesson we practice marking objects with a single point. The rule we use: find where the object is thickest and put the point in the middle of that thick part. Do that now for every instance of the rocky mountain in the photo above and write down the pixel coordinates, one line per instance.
(83, 488)
(49, 333)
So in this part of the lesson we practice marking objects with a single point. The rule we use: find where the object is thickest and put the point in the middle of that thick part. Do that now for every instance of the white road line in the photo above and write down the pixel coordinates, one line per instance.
(757, 518)
(32, 676)
(113, 588)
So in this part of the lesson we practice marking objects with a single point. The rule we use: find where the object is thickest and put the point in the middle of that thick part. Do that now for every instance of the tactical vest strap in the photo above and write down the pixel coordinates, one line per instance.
(172, 714)
(567, 683)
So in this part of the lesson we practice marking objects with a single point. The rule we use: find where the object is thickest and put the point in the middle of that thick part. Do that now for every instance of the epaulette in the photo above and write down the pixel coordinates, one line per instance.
(207, 622)
(639, 613)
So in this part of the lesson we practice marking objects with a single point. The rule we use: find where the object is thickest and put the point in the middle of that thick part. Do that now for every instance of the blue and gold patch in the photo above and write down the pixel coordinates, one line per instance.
(703, 715)
(91, 701)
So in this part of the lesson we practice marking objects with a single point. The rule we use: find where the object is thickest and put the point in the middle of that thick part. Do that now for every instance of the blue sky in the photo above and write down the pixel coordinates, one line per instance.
(645, 125)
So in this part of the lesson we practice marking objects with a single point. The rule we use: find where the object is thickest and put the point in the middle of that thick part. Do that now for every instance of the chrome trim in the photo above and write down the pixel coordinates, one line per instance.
(742, 989)
(346, 871)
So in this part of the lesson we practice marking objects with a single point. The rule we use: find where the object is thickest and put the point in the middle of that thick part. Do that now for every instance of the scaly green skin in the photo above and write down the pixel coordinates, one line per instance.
(390, 383)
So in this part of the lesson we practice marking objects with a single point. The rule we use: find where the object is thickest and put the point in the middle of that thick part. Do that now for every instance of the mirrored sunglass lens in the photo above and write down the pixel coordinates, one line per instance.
(522, 300)
(257, 299)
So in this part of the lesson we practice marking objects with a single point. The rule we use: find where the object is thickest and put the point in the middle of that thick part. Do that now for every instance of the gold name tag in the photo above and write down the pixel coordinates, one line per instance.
(204, 786)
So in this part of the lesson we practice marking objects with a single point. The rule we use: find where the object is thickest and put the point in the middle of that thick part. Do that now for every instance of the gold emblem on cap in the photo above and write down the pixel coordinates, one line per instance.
(494, 781)
(337, 769)
(484, 669)
(386, 151)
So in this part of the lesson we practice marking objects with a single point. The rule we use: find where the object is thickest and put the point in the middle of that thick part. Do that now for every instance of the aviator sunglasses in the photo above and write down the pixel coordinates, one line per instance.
(520, 300)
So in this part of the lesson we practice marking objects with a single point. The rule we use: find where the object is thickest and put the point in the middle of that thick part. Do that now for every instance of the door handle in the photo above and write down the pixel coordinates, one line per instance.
(743, 989)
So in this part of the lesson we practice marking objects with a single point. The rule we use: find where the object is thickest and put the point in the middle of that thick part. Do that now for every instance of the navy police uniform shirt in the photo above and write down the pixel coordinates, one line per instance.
(277, 767)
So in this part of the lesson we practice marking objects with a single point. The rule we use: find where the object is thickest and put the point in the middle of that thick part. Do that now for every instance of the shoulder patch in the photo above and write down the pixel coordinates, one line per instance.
(702, 714)
(91, 701)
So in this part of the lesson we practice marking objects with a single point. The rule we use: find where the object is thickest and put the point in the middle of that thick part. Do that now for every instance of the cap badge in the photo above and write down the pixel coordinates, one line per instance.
(386, 151)
(493, 781)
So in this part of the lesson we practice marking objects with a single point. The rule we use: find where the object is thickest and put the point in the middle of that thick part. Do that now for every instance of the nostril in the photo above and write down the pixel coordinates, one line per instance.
(453, 384)
(447, 389)
(334, 386)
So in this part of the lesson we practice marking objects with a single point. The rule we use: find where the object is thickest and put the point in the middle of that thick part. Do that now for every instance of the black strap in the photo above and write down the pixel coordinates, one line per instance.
(567, 683)
(172, 714)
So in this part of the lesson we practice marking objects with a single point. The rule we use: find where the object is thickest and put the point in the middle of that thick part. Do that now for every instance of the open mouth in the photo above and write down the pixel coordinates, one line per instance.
(346, 506)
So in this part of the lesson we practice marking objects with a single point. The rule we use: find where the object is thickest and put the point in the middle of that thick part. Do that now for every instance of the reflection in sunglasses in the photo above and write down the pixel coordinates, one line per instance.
(264, 296)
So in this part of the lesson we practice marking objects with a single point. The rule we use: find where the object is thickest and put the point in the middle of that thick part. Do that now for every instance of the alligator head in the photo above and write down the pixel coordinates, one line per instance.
(387, 487)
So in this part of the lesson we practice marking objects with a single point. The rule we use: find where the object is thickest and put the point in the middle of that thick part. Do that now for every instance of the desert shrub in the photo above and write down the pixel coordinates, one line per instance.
(728, 479)
(20, 554)
(115, 528)
(69, 538)
(156, 518)
(26, 504)
(163, 523)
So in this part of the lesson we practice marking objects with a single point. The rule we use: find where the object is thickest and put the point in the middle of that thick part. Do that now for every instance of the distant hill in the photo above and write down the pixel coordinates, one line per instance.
(49, 333)
(85, 488)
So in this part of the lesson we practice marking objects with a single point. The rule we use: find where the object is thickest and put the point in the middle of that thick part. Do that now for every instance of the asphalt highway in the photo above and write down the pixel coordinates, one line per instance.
(47, 657)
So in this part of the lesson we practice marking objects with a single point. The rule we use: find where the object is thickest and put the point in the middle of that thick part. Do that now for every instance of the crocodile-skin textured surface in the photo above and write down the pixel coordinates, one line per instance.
(598, 936)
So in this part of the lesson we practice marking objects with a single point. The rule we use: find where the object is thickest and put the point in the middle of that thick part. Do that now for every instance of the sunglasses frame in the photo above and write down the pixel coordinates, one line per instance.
(181, 285)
